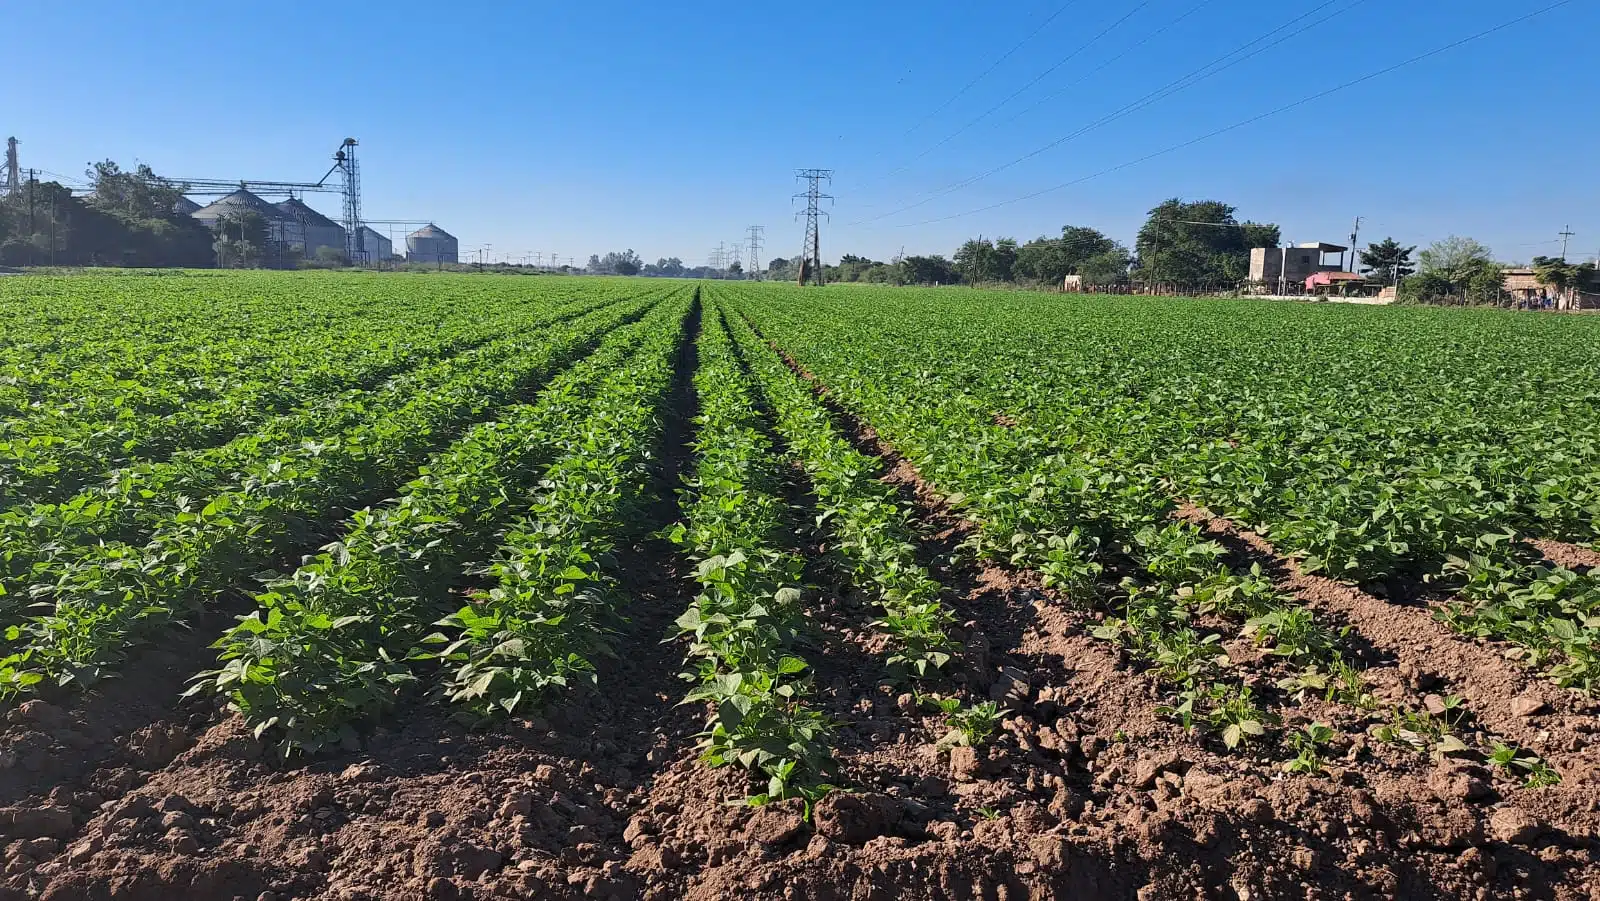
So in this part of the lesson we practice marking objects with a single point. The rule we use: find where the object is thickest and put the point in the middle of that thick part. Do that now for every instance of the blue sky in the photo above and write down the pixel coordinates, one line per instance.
(582, 128)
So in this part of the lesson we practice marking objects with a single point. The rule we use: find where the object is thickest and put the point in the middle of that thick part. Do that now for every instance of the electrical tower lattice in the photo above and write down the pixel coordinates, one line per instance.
(13, 173)
(811, 250)
(755, 249)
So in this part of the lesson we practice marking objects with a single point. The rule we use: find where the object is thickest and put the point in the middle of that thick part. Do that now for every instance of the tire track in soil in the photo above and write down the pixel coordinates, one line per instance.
(1229, 820)
(131, 840)
(52, 745)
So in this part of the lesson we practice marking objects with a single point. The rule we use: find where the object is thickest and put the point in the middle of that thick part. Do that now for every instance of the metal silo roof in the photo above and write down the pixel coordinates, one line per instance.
(296, 209)
(239, 201)
(431, 231)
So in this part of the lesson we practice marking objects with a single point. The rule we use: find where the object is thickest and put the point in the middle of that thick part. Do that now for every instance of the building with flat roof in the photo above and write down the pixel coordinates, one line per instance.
(1287, 268)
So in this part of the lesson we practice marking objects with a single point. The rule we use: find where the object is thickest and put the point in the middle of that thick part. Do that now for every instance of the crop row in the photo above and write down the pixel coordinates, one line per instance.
(1098, 511)
(349, 430)
(99, 347)
(871, 528)
(344, 638)
(746, 622)
(267, 502)
(109, 346)
(57, 450)
(1364, 471)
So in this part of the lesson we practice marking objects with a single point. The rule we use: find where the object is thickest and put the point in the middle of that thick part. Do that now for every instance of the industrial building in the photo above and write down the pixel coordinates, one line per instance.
(294, 229)
(379, 249)
(311, 231)
(432, 244)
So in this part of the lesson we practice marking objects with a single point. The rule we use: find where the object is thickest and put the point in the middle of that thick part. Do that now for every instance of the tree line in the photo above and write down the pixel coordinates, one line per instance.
(131, 219)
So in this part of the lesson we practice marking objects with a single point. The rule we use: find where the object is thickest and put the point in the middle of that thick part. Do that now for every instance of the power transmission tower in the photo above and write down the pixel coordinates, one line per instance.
(13, 173)
(755, 248)
(1565, 237)
(734, 253)
(811, 249)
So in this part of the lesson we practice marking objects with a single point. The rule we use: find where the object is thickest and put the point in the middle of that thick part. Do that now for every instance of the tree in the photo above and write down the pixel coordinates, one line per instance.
(1426, 287)
(1050, 260)
(140, 194)
(1109, 268)
(1005, 260)
(1461, 273)
(1199, 243)
(1486, 284)
(613, 263)
(1455, 259)
(982, 260)
(974, 260)
(1585, 276)
(668, 267)
(851, 268)
(735, 270)
(1258, 235)
(1388, 261)
(934, 270)
(1554, 272)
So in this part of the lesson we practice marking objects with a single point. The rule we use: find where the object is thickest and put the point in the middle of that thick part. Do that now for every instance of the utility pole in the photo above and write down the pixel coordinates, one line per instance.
(1565, 237)
(33, 229)
(811, 248)
(1355, 230)
(755, 248)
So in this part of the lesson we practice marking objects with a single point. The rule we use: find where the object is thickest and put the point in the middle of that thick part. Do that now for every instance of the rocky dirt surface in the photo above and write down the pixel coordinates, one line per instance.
(1086, 790)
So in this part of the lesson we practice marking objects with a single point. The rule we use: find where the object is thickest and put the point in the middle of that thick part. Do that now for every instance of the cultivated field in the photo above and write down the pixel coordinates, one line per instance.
(365, 586)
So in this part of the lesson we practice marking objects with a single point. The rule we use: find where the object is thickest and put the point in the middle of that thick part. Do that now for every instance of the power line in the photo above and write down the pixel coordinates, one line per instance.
(1215, 67)
(985, 73)
(1018, 92)
(1266, 115)
(1171, 23)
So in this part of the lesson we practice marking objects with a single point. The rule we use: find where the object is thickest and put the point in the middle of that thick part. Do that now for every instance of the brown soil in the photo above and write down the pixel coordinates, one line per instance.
(1085, 792)
(1572, 556)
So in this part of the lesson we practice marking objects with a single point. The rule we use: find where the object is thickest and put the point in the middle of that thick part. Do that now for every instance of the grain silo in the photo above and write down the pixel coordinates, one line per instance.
(431, 244)
(312, 231)
(281, 230)
(183, 206)
(377, 246)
